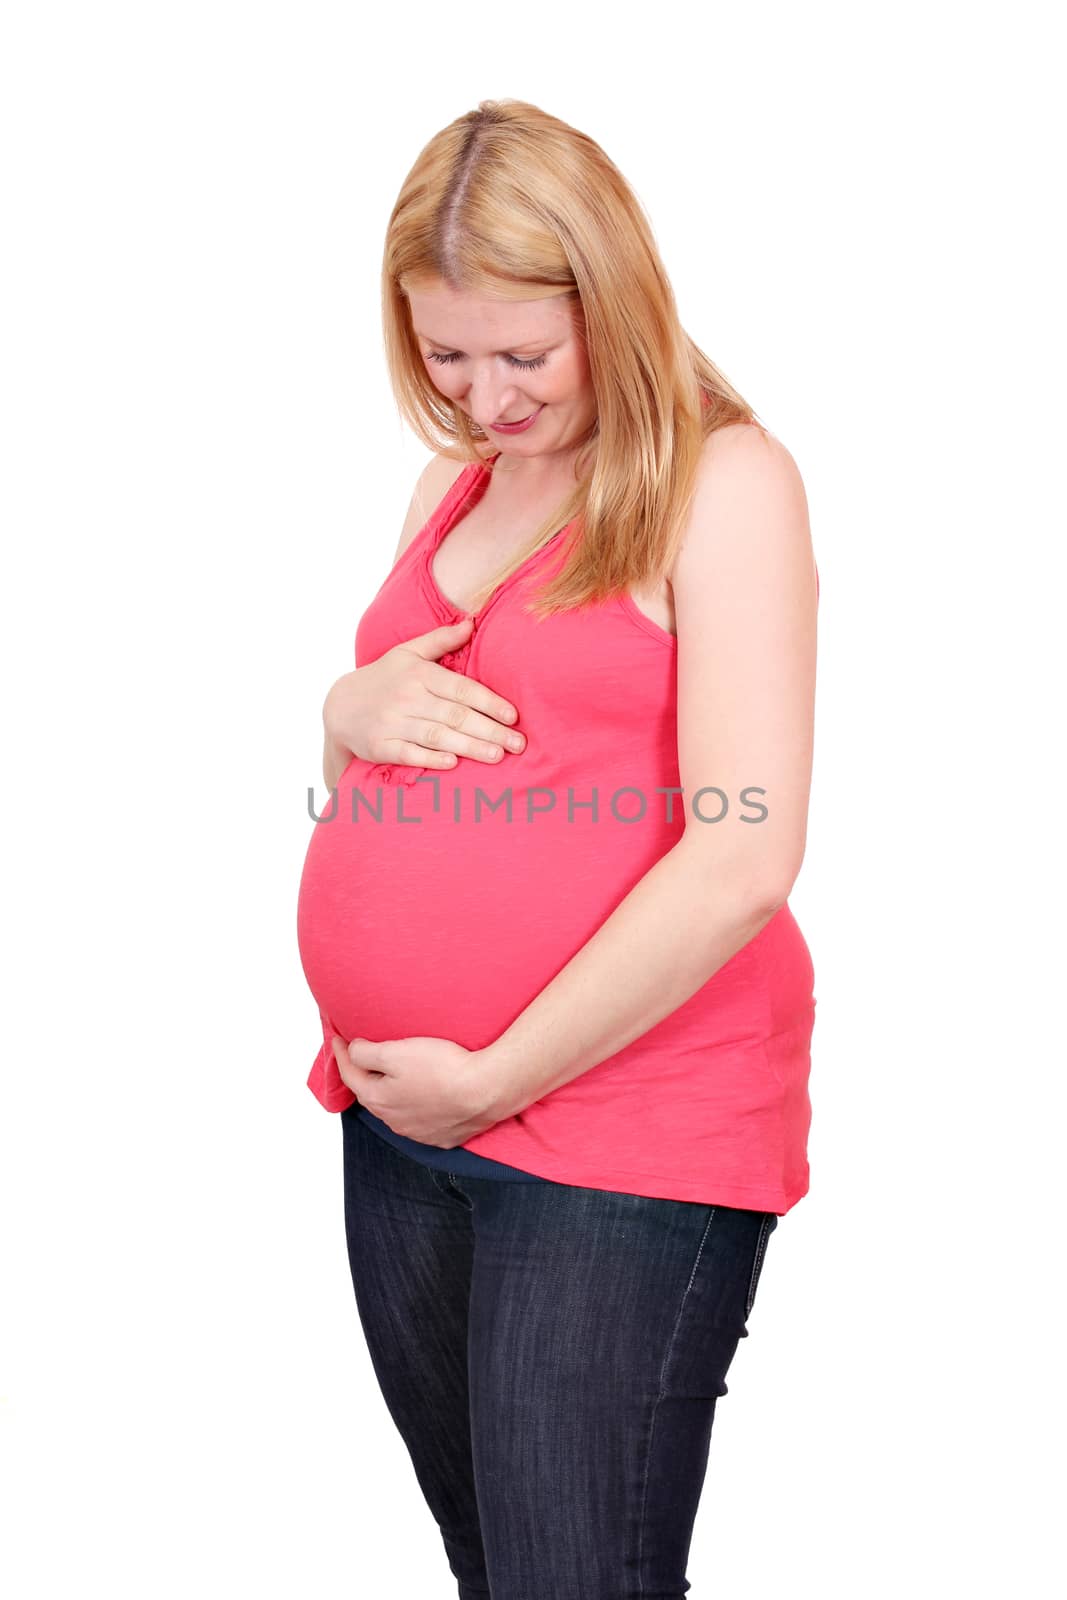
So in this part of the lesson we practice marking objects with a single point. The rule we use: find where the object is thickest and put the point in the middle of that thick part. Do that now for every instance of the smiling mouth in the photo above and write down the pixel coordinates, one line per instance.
(504, 423)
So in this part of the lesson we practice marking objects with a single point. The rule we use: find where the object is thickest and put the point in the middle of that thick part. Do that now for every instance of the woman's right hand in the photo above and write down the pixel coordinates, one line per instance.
(407, 709)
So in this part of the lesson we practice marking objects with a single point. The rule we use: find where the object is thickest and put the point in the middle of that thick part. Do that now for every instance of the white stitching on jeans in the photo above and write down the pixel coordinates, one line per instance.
(761, 1246)
(659, 1397)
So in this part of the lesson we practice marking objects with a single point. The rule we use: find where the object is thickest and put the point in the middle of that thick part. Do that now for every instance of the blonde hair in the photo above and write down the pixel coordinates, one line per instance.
(511, 202)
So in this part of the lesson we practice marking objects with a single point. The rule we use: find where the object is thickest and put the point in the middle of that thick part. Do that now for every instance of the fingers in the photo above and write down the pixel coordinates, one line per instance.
(405, 753)
(470, 694)
(440, 640)
(434, 743)
(470, 720)
(446, 714)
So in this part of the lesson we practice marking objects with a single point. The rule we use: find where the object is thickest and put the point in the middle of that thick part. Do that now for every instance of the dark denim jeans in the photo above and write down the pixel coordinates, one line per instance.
(551, 1357)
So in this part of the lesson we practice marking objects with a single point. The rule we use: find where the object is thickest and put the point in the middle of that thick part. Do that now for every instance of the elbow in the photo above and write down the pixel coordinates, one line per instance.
(776, 887)
(766, 900)
(758, 888)
(774, 890)
(773, 900)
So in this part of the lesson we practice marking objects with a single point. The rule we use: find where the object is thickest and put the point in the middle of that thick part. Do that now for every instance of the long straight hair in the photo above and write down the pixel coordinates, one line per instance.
(508, 201)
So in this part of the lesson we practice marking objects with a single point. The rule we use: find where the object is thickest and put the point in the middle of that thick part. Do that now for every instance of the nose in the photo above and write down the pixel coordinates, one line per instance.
(488, 401)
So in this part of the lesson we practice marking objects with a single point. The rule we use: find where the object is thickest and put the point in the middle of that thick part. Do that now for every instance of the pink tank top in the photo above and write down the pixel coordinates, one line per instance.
(443, 902)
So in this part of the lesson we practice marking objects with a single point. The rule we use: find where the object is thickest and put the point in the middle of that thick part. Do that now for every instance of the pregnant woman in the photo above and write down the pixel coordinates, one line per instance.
(566, 1009)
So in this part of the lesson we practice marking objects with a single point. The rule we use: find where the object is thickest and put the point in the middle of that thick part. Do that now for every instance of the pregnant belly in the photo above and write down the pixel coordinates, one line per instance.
(440, 920)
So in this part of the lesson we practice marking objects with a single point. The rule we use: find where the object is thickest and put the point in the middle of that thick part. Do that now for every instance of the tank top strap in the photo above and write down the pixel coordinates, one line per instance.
(450, 508)
(432, 530)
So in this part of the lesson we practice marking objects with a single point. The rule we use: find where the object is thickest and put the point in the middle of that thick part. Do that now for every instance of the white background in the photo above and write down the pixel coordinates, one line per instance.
(203, 484)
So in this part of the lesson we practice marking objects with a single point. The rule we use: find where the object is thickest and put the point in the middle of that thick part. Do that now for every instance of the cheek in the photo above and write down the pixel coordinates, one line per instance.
(444, 380)
(570, 378)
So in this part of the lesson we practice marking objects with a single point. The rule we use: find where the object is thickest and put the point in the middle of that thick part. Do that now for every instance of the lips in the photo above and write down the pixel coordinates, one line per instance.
(521, 424)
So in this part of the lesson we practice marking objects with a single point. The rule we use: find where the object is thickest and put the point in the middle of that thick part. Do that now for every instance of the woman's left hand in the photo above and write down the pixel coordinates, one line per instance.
(427, 1089)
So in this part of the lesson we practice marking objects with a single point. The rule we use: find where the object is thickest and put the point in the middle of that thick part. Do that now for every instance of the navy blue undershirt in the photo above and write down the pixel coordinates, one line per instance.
(462, 1162)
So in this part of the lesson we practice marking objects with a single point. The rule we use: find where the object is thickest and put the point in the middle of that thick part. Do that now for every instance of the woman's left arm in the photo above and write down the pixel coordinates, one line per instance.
(745, 591)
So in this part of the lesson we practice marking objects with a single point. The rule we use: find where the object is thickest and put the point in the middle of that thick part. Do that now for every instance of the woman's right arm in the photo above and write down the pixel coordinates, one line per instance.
(400, 708)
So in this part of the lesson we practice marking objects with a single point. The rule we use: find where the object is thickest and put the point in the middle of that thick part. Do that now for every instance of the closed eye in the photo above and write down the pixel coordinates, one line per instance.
(537, 361)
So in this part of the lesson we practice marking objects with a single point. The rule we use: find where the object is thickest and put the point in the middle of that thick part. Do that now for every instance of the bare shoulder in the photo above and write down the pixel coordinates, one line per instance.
(434, 482)
(749, 509)
(746, 452)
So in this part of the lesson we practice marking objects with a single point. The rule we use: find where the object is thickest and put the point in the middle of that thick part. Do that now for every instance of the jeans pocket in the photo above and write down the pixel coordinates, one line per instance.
(767, 1227)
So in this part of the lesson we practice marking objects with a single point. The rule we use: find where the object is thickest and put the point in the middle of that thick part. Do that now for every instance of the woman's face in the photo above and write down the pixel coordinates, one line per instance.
(505, 360)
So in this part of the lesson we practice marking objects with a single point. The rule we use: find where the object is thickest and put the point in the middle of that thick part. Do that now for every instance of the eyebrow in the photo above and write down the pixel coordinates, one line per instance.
(531, 344)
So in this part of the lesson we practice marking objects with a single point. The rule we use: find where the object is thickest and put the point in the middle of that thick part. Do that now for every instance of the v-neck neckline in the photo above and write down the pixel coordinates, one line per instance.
(464, 502)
